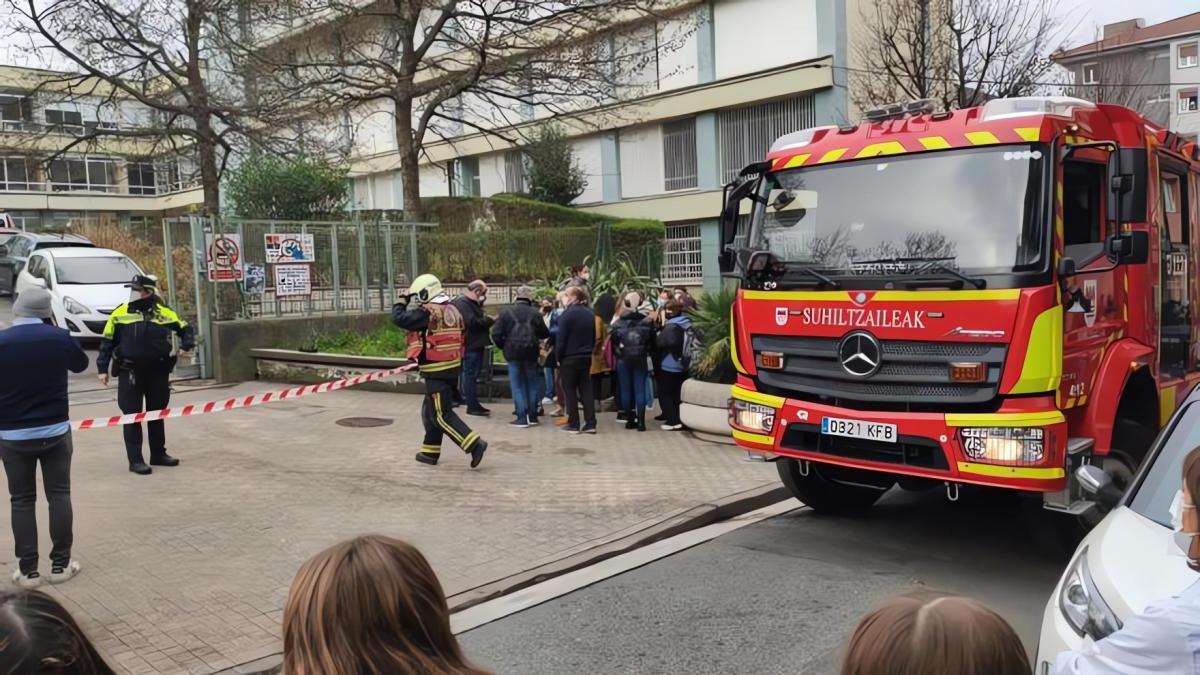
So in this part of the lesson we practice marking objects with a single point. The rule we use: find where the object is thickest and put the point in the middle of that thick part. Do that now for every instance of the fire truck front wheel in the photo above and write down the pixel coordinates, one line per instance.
(833, 490)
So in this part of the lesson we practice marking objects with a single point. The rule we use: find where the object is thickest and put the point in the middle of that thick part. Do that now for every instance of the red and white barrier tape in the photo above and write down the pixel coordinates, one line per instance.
(234, 403)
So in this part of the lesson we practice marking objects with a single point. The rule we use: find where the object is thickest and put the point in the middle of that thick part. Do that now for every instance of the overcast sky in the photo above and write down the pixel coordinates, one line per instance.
(1088, 16)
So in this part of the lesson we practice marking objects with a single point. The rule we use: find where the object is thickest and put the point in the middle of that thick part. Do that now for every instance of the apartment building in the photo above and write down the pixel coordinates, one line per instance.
(737, 74)
(51, 174)
(1154, 69)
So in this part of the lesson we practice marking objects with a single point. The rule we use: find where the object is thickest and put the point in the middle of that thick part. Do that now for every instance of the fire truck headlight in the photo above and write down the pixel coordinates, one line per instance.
(1004, 445)
(751, 417)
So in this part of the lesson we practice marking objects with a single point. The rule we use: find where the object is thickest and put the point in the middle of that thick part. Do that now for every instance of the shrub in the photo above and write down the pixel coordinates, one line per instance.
(711, 320)
(286, 189)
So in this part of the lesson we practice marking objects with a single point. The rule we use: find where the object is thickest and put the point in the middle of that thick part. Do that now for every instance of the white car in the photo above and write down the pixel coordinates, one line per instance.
(86, 284)
(1129, 559)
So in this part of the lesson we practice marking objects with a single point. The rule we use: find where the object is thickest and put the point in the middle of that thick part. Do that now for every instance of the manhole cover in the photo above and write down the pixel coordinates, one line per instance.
(364, 422)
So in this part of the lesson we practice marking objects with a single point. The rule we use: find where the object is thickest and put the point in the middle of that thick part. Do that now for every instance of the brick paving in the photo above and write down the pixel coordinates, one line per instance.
(186, 571)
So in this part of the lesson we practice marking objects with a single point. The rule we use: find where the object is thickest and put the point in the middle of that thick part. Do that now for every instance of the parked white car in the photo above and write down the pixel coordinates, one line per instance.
(86, 284)
(1130, 559)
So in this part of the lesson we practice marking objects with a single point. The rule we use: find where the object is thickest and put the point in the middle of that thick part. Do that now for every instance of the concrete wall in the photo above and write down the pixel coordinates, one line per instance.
(233, 340)
(1183, 79)
(755, 35)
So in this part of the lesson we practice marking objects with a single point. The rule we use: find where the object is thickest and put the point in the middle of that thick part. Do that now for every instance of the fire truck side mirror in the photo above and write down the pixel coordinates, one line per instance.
(1128, 248)
(1122, 183)
(1066, 268)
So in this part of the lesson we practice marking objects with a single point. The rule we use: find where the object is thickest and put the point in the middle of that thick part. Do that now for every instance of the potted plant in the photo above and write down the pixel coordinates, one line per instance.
(705, 398)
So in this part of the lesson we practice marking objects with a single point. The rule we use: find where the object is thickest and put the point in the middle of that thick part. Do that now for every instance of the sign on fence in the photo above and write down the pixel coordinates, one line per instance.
(255, 282)
(292, 280)
(224, 253)
(289, 248)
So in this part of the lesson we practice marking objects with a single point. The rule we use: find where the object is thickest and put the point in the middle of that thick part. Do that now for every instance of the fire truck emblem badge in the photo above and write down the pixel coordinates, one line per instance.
(1089, 292)
(860, 298)
(860, 354)
(781, 316)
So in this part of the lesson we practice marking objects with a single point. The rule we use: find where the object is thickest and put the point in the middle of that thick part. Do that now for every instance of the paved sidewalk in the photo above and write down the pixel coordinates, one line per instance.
(187, 570)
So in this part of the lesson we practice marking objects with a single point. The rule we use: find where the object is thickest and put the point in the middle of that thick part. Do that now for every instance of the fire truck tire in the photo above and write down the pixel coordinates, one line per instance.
(824, 493)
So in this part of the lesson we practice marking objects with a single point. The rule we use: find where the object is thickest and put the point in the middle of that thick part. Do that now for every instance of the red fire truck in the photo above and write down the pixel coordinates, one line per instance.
(991, 296)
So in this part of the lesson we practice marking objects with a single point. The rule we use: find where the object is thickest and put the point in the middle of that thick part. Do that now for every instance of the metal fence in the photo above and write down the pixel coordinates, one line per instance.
(682, 259)
(357, 266)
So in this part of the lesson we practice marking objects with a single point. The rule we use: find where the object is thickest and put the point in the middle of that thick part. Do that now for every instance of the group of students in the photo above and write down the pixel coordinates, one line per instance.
(627, 345)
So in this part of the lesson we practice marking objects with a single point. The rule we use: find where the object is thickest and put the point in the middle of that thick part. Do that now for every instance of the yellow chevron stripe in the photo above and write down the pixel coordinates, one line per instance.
(982, 138)
(1029, 419)
(796, 161)
(832, 156)
(885, 148)
(934, 143)
(1031, 134)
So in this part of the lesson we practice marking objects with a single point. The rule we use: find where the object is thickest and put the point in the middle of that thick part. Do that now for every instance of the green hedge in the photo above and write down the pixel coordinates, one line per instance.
(503, 212)
(529, 254)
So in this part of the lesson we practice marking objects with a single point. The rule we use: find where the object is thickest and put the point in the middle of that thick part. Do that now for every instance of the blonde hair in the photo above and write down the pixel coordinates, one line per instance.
(372, 606)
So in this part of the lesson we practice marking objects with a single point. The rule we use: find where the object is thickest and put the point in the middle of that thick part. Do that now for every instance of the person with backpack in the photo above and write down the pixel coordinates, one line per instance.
(677, 344)
(137, 346)
(574, 344)
(518, 333)
(632, 343)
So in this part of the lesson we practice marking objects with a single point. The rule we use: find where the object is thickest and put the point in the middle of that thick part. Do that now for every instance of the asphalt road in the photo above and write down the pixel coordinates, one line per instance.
(781, 596)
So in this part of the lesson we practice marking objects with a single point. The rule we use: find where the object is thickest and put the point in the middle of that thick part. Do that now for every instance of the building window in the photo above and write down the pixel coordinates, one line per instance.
(514, 171)
(745, 134)
(141, 178)
(79, 174)
(15, 111)
(681, 260)
(14, 173)
(1189, 55)
(1091, 73)
(464, 177)
(679, 154)
(1187, 100)
(69, 121)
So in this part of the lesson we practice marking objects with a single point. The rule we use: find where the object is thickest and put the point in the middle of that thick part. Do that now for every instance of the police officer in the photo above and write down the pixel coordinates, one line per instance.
(137, 345)
(435, 342)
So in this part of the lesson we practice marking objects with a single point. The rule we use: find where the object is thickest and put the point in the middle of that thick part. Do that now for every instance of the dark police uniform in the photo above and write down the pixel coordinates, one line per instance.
(435, 342)
(137, 346)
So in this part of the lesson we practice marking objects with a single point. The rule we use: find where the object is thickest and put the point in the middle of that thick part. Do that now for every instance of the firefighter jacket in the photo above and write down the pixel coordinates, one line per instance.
(138, 336)
(435, 338)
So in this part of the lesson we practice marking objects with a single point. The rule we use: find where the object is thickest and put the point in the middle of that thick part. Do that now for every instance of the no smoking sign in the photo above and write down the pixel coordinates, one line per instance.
(224, 257)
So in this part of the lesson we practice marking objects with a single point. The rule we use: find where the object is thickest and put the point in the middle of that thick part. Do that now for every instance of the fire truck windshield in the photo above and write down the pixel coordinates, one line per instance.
(974, 210)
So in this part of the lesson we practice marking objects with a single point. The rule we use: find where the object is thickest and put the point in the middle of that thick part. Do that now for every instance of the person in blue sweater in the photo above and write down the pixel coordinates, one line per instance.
(35, 427)
(673, 343)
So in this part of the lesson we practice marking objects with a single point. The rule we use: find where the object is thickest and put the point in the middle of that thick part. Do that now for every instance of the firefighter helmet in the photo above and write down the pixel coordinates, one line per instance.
(426, 287)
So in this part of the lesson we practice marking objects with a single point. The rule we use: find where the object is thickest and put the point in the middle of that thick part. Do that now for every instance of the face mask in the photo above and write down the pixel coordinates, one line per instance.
(1183, 540)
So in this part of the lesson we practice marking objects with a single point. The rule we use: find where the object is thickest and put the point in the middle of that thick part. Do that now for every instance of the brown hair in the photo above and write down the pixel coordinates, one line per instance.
(924, 633)
(577, 294)
(372, 606)
(674, 307)
(38, 635)
(1191, 487)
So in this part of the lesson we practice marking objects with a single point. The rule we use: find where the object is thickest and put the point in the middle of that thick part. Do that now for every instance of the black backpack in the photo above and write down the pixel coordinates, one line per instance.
(522, 341)
(633, 344)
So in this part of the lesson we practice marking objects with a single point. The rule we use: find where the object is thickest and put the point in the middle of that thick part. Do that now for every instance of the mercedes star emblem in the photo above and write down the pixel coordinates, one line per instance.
(860, 354)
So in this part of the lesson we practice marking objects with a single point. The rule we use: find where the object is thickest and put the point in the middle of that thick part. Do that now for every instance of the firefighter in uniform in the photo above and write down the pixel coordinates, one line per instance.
(137, 347)
(435, 343)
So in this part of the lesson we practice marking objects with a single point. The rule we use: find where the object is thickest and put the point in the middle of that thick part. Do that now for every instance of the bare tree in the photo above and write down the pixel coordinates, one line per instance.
(1122, 77)
(184, 60)
(957, 53)
(444, 68)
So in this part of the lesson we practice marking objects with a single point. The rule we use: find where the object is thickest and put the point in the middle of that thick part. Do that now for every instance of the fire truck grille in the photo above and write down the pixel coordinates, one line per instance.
(908, 450)
(910, 372)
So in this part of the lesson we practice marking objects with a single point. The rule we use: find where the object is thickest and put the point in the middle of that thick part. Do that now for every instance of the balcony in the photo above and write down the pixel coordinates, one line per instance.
(57, 196)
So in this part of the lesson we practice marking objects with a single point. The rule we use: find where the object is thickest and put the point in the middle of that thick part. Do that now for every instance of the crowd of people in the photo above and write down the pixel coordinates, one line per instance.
(572, 353)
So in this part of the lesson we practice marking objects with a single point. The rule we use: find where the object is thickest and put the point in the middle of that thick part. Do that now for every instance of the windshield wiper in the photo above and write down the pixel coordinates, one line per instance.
(927, 264)
(805, 269)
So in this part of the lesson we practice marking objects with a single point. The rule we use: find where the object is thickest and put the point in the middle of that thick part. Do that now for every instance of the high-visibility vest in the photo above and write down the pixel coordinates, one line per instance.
(440, 346)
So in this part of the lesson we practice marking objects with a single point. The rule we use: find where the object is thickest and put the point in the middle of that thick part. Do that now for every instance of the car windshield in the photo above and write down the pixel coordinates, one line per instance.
(975, 210)
(1163, 479)
(98, 270)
